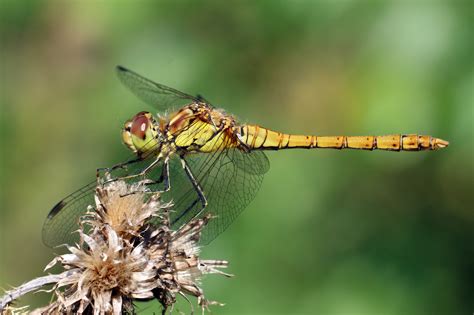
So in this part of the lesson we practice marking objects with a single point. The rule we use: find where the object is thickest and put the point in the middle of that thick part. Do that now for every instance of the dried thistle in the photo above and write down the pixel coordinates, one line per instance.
(128, 252)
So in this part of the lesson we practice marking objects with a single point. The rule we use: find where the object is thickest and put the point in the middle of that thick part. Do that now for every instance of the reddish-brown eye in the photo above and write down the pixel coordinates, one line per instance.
(140, 125)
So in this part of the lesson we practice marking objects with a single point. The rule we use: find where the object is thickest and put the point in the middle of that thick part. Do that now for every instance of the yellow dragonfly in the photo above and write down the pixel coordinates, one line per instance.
(203, 158)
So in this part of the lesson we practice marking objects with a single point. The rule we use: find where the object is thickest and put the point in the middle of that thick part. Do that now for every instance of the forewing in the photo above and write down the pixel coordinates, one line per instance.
(63, 218)
(229, 181)
(152, 93)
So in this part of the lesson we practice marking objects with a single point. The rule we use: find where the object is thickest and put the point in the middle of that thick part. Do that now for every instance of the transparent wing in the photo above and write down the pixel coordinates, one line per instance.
(254, 162)
(230, 180)
(62, 220)
(155, 94)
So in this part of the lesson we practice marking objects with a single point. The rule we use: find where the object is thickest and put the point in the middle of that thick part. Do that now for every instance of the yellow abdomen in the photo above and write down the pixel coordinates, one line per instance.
(256, 137)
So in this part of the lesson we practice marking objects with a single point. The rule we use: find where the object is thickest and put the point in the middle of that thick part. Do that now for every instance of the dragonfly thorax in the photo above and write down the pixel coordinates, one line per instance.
(141, 134)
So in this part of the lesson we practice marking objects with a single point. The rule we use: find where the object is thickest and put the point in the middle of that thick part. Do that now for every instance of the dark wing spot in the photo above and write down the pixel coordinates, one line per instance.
(58, 207)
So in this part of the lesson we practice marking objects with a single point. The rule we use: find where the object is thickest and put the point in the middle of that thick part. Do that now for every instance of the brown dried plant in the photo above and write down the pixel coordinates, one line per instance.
(127, 252)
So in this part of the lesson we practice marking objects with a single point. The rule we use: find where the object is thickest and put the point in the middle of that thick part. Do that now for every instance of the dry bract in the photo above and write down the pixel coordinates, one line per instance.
(128, 252)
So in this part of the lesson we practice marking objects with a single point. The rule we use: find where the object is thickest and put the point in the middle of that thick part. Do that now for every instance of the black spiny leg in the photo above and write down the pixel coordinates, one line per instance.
(164, 177)
(142, 173)
(198, 189)
(122, 165)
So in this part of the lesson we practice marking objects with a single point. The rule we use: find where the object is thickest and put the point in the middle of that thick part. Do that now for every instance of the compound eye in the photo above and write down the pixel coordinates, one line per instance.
(140, 125)
(127, 136)
(127, 126)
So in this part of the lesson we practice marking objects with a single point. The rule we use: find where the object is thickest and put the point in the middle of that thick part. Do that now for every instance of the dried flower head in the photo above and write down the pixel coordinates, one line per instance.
(124, 209)
(128, 252)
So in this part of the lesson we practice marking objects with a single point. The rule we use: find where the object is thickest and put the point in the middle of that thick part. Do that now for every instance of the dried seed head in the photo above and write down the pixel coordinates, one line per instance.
(124, 209)
(115, 264)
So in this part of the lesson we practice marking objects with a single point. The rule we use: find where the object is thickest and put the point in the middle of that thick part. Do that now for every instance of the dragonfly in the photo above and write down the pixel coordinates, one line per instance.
(203, 158)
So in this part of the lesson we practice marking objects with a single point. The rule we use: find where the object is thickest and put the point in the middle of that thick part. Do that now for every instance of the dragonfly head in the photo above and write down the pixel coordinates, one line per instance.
(141, 134)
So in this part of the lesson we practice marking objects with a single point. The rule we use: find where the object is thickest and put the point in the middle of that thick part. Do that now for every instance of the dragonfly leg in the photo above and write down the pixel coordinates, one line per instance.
(142, 173)
(124, 165)
(198, 189)
(196, 185)
(164, 177)
(165, 174)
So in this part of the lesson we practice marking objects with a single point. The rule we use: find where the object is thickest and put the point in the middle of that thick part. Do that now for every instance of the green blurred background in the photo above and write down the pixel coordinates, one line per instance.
(331, 232)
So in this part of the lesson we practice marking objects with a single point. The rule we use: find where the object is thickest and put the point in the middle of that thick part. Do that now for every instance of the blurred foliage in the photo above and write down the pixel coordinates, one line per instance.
(330, 232)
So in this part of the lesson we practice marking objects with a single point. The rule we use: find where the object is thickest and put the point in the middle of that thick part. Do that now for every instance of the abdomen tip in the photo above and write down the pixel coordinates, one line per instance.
(439, 143)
